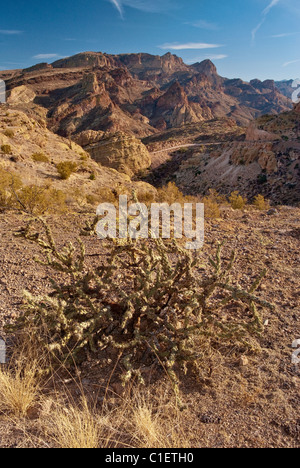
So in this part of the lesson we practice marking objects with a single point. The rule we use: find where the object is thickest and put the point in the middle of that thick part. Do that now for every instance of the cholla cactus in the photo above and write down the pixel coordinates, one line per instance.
(150, 300)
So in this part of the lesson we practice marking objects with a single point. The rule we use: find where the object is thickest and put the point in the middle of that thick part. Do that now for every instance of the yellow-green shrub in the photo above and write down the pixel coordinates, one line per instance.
(6, 149)
(38, 200)
(261, 203)
(9, 183)
(40, 157)
(171, 194)
(237, 201)
(212, 203)
(9, 133)
(66, 168)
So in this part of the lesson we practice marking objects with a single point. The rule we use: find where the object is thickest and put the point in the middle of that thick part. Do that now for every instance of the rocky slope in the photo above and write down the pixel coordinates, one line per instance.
(264, 159)
(31, 151)
(137, 93)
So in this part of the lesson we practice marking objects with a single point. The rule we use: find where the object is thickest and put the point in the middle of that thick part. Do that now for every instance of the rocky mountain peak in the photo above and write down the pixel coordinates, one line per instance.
(206, 67)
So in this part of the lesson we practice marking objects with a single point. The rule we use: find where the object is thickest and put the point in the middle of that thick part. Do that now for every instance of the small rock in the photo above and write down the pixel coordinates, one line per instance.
(273, 212)
(244, 362)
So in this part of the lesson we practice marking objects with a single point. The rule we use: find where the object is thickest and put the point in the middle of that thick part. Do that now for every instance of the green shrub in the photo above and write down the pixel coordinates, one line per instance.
(261, 203)
(92, 176)
(9, 133)
(66, 169)
(38, 200)
(237, 201)
(10, 183)
(171, 194)
(40, 157)
(212, 203)
(6, 149)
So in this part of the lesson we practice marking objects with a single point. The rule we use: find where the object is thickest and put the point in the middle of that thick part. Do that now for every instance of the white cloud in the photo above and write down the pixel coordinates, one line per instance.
(285, 35)
(149, 6)
(118, 5)
(202, 24)
(265, 13)
(210, 57)
(189, 46)
(45, 56)
(270, 6)
(10, 32)
(217, 57)
(286, 64)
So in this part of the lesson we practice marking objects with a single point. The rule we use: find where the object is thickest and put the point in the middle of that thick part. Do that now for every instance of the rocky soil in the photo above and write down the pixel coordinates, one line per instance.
(233, 402)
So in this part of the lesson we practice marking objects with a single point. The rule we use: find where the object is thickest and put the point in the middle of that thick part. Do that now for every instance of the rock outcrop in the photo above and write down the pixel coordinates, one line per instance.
(21, 95)
(122, 152)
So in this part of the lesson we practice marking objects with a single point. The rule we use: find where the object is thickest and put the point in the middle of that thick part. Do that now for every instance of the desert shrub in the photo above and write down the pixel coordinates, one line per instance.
(9, 133)
(66, 169)
(261, 203)
(148, 302)
(212, 203)
(102, 195)
(237, 202)
(262, 179)
(40, 157)
(6, 149)
(9, 184)
(171, 194)
(92, 176)
(146, 196)
(84, 156)
(38, 200)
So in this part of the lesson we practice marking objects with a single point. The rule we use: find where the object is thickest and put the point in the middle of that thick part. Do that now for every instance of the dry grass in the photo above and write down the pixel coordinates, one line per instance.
(154, 420)
(19, 389)
(77, 427)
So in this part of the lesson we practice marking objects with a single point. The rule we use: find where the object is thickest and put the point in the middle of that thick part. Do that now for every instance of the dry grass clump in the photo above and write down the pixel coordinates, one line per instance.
(19, 388)
(153, 420)
(75, 427)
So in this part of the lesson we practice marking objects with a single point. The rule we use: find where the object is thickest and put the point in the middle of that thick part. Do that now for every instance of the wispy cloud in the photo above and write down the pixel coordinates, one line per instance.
(270, 6)
(118, 5)
(10, 32)
(189, 46)
(286, 64)
(46, 56)
(217, 57)
(285, 35)
(202, 24)
(265, 13)
(211, 57)
(148, 6)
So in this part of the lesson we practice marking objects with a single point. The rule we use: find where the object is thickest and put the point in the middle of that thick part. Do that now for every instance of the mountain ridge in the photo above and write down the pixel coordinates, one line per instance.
(140, 93)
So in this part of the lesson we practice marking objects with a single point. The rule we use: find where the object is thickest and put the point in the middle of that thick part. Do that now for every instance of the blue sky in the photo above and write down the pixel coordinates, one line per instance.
(246, 39)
